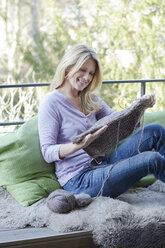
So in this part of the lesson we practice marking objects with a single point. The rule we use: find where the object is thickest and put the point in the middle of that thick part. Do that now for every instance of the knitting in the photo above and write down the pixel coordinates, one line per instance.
(120, 125)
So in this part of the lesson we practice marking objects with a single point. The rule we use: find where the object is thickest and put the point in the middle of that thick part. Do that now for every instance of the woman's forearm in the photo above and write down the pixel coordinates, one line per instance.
(67, 149)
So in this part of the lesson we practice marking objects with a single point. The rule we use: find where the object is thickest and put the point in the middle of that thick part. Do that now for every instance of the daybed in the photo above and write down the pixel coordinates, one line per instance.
(135, 219)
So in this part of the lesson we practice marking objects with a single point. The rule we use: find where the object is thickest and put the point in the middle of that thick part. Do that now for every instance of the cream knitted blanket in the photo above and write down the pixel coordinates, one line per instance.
(120, 125)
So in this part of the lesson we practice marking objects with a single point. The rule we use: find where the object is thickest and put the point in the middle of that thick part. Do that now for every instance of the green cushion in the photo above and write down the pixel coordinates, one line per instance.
(155, 117)
(152, 117)
(23, 171)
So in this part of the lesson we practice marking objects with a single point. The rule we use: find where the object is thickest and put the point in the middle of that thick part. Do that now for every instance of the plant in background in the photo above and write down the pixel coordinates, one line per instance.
(127, 34)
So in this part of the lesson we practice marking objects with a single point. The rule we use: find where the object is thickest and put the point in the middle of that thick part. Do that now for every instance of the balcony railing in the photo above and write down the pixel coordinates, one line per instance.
(140, 81)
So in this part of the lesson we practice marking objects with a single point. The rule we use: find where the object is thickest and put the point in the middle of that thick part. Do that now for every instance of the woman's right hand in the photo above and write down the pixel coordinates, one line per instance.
(67, 149)
(89, 138)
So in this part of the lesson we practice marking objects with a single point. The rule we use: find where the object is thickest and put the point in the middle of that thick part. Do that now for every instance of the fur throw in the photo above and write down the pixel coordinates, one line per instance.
(135, 219)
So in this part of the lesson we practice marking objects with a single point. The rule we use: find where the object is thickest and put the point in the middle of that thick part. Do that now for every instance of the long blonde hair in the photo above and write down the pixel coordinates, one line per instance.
(75, 57)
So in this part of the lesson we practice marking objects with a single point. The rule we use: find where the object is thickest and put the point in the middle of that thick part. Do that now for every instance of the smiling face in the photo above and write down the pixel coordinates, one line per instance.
(84, 76)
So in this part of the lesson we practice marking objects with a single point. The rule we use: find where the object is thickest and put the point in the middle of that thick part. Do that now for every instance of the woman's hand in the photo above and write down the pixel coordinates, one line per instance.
(67, 149)
(91, 137)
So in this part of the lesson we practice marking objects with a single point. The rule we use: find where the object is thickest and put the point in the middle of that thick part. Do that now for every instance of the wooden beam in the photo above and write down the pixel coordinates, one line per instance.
(45, 237)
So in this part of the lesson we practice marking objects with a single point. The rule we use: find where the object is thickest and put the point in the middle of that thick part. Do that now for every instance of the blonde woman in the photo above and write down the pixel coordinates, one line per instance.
(70, 109)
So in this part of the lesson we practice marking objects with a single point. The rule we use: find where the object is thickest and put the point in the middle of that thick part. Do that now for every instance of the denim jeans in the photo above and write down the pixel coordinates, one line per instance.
(124, 167)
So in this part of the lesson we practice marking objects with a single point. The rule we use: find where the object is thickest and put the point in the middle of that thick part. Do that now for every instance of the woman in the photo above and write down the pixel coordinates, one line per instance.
(70, 109)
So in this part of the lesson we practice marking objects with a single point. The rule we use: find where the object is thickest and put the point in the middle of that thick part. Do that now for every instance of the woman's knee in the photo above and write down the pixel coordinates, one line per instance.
(154, 128)
(156, 162)
(153, 156)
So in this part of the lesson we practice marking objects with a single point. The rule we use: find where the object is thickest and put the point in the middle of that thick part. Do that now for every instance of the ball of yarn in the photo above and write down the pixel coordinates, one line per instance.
(61, 201)
(83, 200)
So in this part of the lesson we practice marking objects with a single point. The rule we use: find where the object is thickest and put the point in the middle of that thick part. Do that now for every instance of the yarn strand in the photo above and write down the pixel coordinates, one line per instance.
(140, 135)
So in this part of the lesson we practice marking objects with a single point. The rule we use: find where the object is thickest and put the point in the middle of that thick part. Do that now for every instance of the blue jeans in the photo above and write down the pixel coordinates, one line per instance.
(125, 166)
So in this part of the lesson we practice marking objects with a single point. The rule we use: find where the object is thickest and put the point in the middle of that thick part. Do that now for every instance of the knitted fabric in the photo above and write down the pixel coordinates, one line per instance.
(120, 125)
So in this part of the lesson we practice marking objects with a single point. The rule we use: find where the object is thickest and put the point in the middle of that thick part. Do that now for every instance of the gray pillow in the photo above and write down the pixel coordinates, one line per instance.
(120, 125)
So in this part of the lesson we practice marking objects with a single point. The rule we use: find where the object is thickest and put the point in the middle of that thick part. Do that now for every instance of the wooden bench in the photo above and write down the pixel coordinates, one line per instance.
(44, 238)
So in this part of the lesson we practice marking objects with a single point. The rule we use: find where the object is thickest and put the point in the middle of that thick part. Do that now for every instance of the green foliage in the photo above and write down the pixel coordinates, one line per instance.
(39, 60)
(128, 35)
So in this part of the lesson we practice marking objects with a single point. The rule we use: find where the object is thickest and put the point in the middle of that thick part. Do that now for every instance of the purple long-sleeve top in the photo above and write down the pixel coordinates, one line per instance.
(58, 122)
